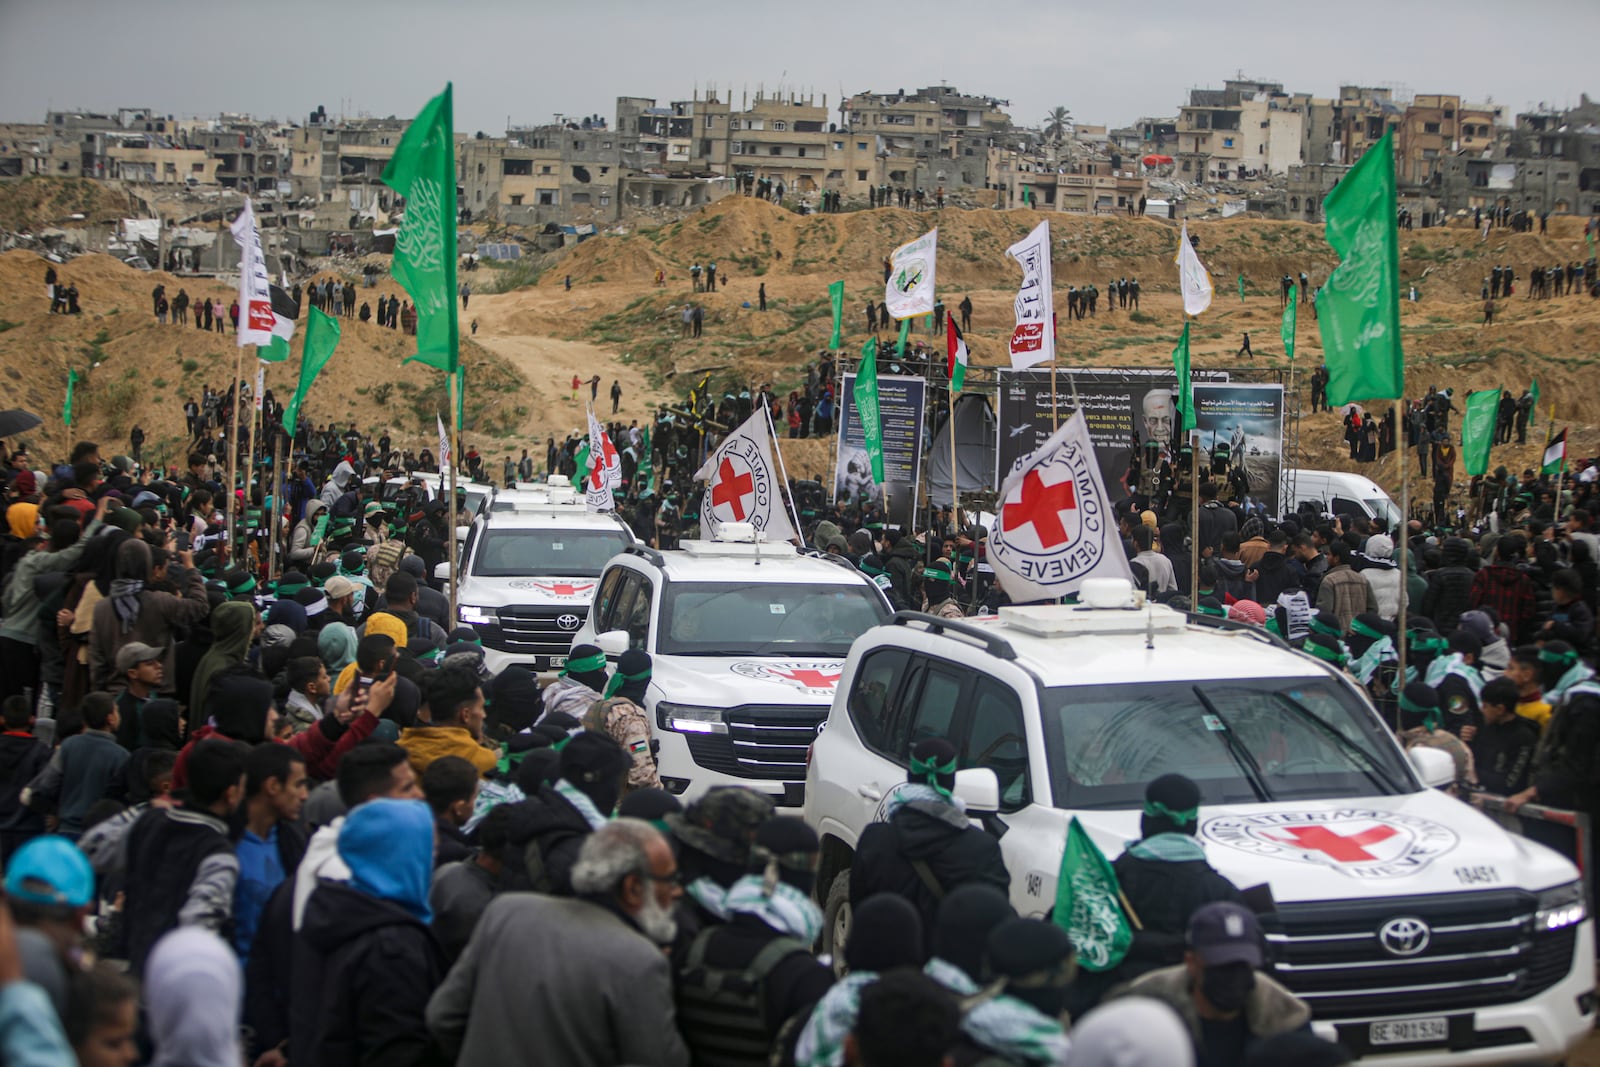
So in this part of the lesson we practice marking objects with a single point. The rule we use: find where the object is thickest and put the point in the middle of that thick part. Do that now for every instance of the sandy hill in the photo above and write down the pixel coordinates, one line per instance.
(615, 323)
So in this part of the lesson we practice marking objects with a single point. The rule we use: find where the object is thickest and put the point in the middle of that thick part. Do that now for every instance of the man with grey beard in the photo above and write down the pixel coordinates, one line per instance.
(544, 976)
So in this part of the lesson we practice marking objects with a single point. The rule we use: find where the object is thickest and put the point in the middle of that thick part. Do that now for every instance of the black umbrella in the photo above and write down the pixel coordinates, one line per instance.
(14, 421)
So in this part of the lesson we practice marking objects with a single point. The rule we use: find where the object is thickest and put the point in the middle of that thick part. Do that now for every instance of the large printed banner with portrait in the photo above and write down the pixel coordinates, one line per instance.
(1134, 408)
(901, 400)
(1243, 424)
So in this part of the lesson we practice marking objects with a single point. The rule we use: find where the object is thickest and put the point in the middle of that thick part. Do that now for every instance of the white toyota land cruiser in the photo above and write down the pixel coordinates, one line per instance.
(747, 641)
(529, 569)
(1420, 932)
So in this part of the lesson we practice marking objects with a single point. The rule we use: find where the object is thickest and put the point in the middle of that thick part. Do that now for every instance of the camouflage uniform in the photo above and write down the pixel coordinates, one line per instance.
(567, 694)
(1466, 770)
(627, 724)
(948, 608)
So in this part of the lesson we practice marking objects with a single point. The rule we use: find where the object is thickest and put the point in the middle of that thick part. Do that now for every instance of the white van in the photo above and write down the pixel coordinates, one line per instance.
(1342, 493)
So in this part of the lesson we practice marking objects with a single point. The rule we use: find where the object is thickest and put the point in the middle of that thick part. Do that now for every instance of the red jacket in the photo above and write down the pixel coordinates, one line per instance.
(323, 746)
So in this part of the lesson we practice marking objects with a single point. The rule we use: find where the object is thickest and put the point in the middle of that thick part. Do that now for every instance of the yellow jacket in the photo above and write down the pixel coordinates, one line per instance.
(424, 744)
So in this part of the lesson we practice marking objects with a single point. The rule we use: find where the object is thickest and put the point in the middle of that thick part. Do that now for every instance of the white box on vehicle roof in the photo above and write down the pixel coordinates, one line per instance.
(1395, 902)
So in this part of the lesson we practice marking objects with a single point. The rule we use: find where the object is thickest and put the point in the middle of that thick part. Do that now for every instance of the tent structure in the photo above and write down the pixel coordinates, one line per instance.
(975, 430)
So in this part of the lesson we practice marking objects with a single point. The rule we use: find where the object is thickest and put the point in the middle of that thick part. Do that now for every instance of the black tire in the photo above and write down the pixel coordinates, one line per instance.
(836, 918)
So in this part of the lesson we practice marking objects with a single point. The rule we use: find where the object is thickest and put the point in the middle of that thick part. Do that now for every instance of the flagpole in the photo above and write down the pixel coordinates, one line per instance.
(455, 445)
(1403, 542)
(955, 498)
(233, 455)
(275, 547)
(772, 432)
(1561, 469)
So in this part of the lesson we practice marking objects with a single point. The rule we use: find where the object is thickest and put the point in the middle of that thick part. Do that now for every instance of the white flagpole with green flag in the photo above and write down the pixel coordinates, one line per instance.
(1181, 367)
(1478, 424)
(865, 392)
(322, 337)
(423, 170)
(1358, 309)
(836, 298)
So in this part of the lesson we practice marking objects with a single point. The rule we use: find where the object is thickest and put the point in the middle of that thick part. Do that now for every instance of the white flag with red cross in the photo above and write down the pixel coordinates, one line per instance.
(605, 469)
(743, 483)
(1055, 524)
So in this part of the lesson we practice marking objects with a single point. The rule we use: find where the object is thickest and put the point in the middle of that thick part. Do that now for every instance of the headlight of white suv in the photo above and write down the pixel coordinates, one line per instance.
(1560, 908)
(473, 615)
(689, 719)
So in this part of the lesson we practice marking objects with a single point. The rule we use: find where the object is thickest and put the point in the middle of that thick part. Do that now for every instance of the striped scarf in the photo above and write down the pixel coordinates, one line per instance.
(781, 906)
(1005, 1025)
(125, 600)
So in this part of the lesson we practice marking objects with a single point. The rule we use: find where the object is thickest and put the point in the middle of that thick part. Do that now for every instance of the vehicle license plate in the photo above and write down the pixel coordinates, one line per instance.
(1409, 1031)
(557, 661)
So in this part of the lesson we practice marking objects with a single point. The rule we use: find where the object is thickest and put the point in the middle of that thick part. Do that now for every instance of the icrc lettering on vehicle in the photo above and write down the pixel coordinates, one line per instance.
(1415, 927)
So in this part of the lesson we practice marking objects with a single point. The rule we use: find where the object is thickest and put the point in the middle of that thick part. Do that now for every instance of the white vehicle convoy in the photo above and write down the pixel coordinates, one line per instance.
(529, 572)
(747, 641)
(1420, 932)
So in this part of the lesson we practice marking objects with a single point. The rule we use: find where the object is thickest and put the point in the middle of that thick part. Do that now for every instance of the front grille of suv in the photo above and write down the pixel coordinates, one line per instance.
(533, 631)
(1482, 950)
(768, 742)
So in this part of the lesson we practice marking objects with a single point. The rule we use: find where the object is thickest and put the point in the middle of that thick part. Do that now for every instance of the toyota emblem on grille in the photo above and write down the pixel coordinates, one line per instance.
(568, 621)
(1404, 937)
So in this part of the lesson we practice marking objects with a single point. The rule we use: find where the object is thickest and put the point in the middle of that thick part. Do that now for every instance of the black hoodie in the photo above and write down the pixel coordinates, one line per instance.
(1273, 576)
(22, 756)
(364, 969)
(544, 842)
(953, 852)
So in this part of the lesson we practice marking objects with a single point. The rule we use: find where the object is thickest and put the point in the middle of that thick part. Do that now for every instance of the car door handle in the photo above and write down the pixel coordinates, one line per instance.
(871, 792)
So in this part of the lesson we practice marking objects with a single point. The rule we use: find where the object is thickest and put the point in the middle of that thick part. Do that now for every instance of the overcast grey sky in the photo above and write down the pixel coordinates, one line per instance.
(1108, 62)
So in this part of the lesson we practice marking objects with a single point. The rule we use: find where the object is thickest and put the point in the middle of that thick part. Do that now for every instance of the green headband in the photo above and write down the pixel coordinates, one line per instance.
(1358, 627)
(618, 680)
(1201, 609)
(286, 589)
(1428, 644)
(1161, 811)
(1326, 654)
(1565, 659)
(245, 586)
(1430, 716)
(936, 574)
(930, 770)
(586, 665)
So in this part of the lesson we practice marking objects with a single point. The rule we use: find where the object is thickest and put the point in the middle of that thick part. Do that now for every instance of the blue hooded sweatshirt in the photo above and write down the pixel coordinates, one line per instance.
(388, 846)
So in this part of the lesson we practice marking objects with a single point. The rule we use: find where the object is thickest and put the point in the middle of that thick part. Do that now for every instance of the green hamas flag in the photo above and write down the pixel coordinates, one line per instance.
(423, 171)
(900, 345)
(1089, 903)
(1359, 306)
(580, 464)
(1180, 366)
(66, 407)
(646, 470)
(461, 396)
(1477, 429)
(1241, 287)
(1286, 331)
(836, 298)
(866, 397)
(1533, 413)
(322, 337)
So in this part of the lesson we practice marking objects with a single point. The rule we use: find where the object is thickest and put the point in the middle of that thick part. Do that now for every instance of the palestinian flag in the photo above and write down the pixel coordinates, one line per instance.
(1555, 454)
(284, 313)
(956, 363)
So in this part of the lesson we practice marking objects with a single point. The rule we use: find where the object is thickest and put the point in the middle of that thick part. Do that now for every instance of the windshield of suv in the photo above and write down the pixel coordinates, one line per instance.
(740, 619)
(546, 553)
(1241, 741)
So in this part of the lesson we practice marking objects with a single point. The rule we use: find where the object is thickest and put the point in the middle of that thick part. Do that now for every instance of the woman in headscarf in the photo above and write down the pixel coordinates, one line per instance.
(382, 623)
(131, 612)
(233, 626)
(336, 643)
(191, 988)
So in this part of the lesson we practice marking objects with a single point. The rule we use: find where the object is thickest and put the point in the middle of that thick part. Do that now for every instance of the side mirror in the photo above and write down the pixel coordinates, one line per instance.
(442, 571)
(461, 533)
(1434, 766)
(613, 642)
(979, 789)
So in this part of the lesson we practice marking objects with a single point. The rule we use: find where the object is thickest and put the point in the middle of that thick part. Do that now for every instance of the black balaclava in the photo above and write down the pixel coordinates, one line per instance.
(594, 764)
(1035, 959)
(1171, 806)
(961, 931)
(885, 933)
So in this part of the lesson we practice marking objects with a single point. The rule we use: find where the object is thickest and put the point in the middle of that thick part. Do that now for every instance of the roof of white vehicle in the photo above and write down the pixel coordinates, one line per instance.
(552, 519)
(1109, 646)
(740, 562)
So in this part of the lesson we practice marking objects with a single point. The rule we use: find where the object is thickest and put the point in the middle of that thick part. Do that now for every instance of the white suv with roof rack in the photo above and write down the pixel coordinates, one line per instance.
(529, 569)
(1418, 930)
(747, 640)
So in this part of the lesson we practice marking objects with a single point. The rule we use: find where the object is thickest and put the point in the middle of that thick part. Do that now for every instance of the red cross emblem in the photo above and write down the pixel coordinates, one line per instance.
(1040, 506)
(565, 588)
(1336, 846)
(811, 679)
(731, 489)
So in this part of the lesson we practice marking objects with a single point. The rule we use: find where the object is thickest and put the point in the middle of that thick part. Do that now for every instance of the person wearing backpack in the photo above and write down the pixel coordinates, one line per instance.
(742, 981)
(926, 847)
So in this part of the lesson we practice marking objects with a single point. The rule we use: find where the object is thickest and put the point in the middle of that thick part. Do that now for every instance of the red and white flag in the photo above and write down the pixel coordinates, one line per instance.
(1055, 524)
(255, 288)
(955, 367)
(1033, 339)
(743, 484)
(605, 469)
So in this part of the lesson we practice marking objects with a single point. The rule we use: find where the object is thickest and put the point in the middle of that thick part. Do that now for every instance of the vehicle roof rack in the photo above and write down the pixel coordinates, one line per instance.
(996, 645)
(647, 553)
(1218, 623)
